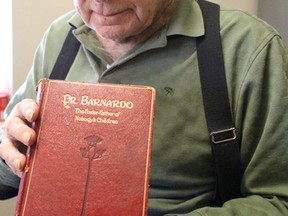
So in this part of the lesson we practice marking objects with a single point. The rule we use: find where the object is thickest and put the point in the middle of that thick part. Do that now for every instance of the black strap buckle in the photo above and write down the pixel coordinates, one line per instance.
(223, 136)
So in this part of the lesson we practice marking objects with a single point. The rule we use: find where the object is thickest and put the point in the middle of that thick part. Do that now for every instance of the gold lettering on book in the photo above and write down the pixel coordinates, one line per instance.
(96, 120)
(68, 99)
(96, 112)
(87, 101)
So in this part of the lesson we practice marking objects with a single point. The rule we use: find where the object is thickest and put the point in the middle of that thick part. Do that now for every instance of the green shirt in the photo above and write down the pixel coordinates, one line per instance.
(182, 173)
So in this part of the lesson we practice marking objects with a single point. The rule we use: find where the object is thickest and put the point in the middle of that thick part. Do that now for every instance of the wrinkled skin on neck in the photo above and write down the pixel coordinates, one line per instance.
(122, 24)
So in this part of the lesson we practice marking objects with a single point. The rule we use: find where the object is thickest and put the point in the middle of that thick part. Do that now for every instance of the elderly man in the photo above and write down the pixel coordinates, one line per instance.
(153, 42)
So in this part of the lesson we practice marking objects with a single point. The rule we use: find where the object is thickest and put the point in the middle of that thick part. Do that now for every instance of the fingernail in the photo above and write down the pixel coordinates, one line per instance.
(17, 163)
(29, 113)
(26, 137)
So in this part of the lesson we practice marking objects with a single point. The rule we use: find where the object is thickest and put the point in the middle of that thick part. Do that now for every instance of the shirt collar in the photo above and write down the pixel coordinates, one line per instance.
(75, 21)
(187, 19)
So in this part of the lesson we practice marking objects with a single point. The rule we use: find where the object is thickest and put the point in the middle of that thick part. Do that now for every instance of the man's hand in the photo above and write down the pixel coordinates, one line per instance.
(17, 135)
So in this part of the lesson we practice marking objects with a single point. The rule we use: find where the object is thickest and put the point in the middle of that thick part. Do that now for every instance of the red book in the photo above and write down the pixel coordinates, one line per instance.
(92, 155)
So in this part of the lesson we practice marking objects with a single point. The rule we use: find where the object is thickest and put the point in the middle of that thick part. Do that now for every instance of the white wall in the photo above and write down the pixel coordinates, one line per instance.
(6, 47)
(30, 20)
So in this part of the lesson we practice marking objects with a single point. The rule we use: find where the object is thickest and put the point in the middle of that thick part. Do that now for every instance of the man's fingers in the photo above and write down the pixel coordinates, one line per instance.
(17, 134)
(12, 156)
(17, 130)
(26, 110)
(17, 126)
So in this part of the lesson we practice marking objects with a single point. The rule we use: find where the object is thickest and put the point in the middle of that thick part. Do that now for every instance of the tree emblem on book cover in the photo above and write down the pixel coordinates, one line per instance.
(93, 151)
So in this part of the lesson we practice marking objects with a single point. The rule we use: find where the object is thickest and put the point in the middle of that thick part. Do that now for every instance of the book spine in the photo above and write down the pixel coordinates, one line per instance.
(22, 193)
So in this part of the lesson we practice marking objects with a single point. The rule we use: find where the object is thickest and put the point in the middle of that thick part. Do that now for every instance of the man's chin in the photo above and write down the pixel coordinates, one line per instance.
(116, 34)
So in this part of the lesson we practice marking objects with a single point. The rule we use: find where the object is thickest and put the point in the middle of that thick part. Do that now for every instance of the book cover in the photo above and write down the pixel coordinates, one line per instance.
(92, 154)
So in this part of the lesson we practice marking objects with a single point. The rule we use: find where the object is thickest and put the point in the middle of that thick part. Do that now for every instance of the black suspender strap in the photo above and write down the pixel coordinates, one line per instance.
(217, 108)
(66, 57)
